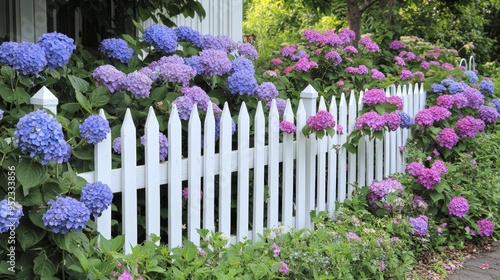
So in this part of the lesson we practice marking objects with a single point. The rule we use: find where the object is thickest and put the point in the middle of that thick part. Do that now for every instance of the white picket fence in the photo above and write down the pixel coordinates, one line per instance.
(305, 174)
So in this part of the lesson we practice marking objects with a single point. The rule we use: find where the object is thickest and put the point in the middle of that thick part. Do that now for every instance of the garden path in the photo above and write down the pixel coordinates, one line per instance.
(484, 266)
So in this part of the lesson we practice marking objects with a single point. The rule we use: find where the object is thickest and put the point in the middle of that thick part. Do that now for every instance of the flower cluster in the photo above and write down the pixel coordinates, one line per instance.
(458, 206)
(427, 177)
(58, 48)
(173, 69)
(488, 114)
(187, 34)
(110, 77)
(447, 138)
(137, 83)
(419, 225)
(380, 191)
(486, 227)
(117, 49)
(469, 126)
(242, 83)
(287, 127)
(10, 215)
(163, 145)
(248, 51)
(198, 96)
(214, 62)
(373, 97)
(94, 129)
(266, 91)
(40, 135)
(406, 121)
(161, 38)
(96, 197)
(66, 214)
(322, 120)
(27, 58)
(419, 203)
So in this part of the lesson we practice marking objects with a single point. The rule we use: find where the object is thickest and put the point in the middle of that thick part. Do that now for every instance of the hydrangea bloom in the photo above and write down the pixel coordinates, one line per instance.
(392, 120)
(424, 118)
(468, 126)
(184, 106)
(242, 83)
(94, 129)
(275, 61)
(460, 100)
(138, 83)
(287, 127)
(471, 75)
(419, 225)
(58, 48)
(429, 177)
(439, 113)
(377, 75)
(266, 91)
(39, 135)
(415, 168)
(176, 73)
(29, 59)
(322, 120)
(116, 48)
(96, 197)
(447, 82)
(117, 145)
(350, 49)
(288, 50)
(8, 52)
(474, 97)
(280, 104)
(458, 207)
(66, 214)
(456, 87)
(438, 88)
(248, 51)
(396, 100)
(370, 120)
(198, 95)
(352, 236)
(373, 97)
(488, 114)
(399, 61)
(110, 77)
(380, 190)
(214, 62)
(486, 87)
(396, 45)
(406, 74)
(496, 103)
(406, 121)
(333, 55)
(220, 42)
(486, 227)
(447, 138)
(445, 101)
(10, 215)
(194, 62)
(242, 64)
(187, 34)
(362, 69)
(163, 144)
(418, 203)
(161, 38)
(1, 114)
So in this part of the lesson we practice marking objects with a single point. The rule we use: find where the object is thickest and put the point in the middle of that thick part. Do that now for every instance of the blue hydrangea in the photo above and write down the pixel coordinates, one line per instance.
(40, 136)
(447, 82)
(266, 91)
(1, 114)
(193, 61)
(117, 49)
(117, 145)
(58, 48)
(8, 53)
(176, 73)
(419, 225)
(472, 76)
(161, 38)
(163, 145)
(496, 103)
(406, 121)
(153, 75)
(248, 51)
(184, 106)
(198, 95)
(94, 129)
(242, 83)
(486, 87)
(110, 77)
(456, 87)
(220, 42)
(10, 215)
(30, 59)
(214, 62)
(138, 83)
(242, 64)
(187, 34)
(217, 127)
(66, 214)
(96, 197)
(438, 88)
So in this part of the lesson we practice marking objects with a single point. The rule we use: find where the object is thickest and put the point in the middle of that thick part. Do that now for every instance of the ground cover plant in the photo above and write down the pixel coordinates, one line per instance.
(380, 233)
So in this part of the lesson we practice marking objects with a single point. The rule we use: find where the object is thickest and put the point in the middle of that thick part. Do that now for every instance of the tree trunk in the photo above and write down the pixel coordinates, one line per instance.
(354, 18)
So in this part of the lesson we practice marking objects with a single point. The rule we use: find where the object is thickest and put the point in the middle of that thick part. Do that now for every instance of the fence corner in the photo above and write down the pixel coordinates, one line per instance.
(44, 98)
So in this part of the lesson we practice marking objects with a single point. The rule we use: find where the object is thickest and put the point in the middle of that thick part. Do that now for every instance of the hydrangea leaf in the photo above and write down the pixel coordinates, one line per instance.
(28, 235)
(99, 97)
(43, 266)
(30, 174)
(8, 73)
(78, 84)
(83, 101)
(6, 93)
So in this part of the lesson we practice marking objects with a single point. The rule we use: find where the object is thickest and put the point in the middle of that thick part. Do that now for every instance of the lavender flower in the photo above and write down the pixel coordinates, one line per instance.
(445, 101)
(438, 88)
(242, 83)
(429, 177)
(117, 145)
(322, 120)
(176, 73)
(486, 227)
(117, 49)
(447, 138)
(456, 87)
(40, 135)
(110, 77)
(287, 127)
(214, 62)
(10, 215)
(248, 51)
(415, 168)
(8, 53)
(377, 75)
(187, 34)
(266, 91)
(138, 83)
(496, 103)
(94, 129)
(374, 96)
(220, 42)
(96, 197)
(58, 48)
(406, 121)
(194, 62)
(333, 55)
(184, 106)
(488, 114)
(163, 144)
(66, 214)
(439, 113)
(419, 225)
(396, 45)
(424, 118)
(474, 97)
(458, 207)
(280, 104)
(460, 100)
(486, 87)
(392, 120)
(161, 38)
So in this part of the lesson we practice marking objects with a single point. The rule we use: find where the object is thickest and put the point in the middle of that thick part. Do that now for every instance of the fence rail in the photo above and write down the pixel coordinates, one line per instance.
(303, 174)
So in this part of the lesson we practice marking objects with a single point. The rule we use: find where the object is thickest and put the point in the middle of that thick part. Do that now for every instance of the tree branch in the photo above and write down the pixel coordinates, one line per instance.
(366, 5)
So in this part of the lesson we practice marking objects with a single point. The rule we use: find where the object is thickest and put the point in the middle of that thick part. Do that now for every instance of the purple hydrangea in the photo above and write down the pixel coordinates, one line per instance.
(335, 56)
(486, 87)
(399, 61)
(96, 197)
(248, 51)
(447, 138)
(419, 225)
(392, 120)
(66, 214)
(187, 34)
(161, 38)
(370, 120)
(242, 83)
(214, 62)
(406, 74)
(184, 106)
(439, 113)
(266, 91)
(10, 215)
(110, 77)
(458, 207)
(58, 48)
(163, 144)
(362, 69)
(460, 100)
(471, 75)
(415, 169)
(1, 114)
(424, 118)
(396, 45)
(29, 58)
(447, 82)
(176, 73)
(486, 227)
(322, 120)
(380, 190)
(373, 97)
(418, 203)
(117, 49)
(287, 127)
(280, 105)
(242, 64)
(396, 100)
(117, 145)
(217, 127)
(468, 127)
(220, 42)
(496, 103)
(138, 83)
(304, 64)
(377, 75)
(429, 177)
(474, 97)
(445, 101)
(488, 114)
(40, 136)
(352, 236)
(198, 95)
(94, 129)
(194, 62)
(406, 121)
(438, 88)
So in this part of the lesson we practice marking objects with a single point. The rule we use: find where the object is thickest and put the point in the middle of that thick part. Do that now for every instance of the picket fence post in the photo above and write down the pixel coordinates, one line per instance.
(44, 98)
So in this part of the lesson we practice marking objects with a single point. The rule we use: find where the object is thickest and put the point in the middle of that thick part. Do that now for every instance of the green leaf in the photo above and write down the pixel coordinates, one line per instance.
(379, 134)
(100, 97)
(436, 196)
(380, 109)
(72, 241)
(115, 244)
(435, 130)
(351, 148)
(83, 101)
(129, 39)
(79, 84)
(70, 107)
(42, 266)
(320, 134)
(8, 73)
(28, 235)
(30, 174)
(6, 93)
(139, 26)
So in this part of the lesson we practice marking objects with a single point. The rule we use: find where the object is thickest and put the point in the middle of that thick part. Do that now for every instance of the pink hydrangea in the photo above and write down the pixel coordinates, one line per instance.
(486, 227)
(429, 177)
(458, 207)
(287, 127)
(377, 75)
(392, 120)
(445, 101)
(322, 120)
(374, 96)
(399, 61)
(439, 113)
(468, 126)
(275, 61)
(447, 138)
(396, 100)
(415, 168)
(424, 118)
(406, 74)
(370, 120)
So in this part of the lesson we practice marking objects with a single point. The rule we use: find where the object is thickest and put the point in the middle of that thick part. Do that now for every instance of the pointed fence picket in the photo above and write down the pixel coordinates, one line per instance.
(278, 183)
